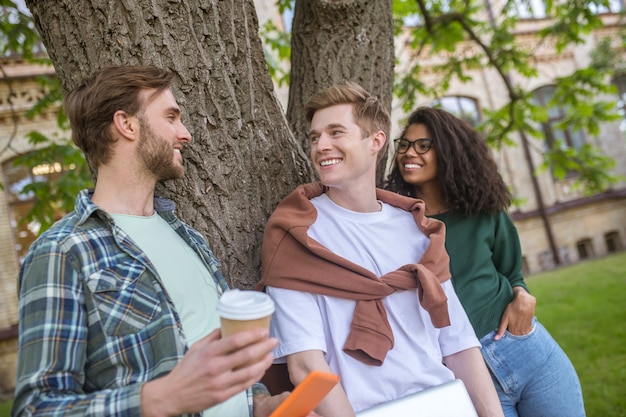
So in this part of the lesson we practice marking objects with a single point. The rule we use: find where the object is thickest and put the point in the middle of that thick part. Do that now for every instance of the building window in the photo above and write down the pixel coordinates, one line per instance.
(463, 107)
(613, 241)
(554, 135)
(620, 83)
(16, 179)
(546, 260)
(585, 249)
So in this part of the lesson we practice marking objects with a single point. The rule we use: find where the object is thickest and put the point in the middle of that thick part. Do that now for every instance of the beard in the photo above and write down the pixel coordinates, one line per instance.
(157, 154)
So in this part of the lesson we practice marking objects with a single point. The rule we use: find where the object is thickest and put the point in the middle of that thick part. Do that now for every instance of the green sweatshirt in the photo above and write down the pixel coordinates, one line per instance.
(485, 262)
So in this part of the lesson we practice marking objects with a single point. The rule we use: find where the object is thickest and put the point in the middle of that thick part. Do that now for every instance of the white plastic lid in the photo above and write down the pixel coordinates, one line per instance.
(244, 305)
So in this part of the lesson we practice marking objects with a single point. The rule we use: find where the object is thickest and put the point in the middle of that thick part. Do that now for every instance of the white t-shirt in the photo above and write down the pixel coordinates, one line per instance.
(189, 284)
(381, 242)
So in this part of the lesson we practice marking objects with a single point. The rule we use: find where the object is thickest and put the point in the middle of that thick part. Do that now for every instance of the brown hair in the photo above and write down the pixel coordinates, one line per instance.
(369, 113)
(466, 171)
(90, 106)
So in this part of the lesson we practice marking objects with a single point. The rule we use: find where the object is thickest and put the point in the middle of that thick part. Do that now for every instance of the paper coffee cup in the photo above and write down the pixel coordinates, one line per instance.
(244, 310)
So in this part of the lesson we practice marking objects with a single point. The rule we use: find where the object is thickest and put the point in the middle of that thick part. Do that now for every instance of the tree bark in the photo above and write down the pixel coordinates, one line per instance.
(243, 158)
(335, 41)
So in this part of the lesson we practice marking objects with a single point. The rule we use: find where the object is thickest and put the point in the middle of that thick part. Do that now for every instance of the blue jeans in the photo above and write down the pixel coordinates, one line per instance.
(532, 375)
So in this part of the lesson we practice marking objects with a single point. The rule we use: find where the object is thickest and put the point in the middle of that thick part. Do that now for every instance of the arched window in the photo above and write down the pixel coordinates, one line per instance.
(553, 134)
(463, 107)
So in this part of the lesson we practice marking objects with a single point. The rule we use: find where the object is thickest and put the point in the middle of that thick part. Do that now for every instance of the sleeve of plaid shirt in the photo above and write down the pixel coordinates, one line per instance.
(52, 343)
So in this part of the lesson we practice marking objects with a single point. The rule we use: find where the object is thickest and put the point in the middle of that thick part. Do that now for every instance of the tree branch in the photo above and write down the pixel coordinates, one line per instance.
(432, 24)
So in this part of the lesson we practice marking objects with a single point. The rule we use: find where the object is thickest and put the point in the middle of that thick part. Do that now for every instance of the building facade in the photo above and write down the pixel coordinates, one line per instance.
(557, 222)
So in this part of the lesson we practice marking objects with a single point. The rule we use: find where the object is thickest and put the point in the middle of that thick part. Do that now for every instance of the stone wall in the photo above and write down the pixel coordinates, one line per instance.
(591, 220)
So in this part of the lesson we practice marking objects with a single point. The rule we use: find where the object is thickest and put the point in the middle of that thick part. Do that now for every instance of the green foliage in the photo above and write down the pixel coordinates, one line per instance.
(283, 5)
(572, 20)
(588, 163)
(19, 37)
(53, 95)
(405, 13)
(458, 32)
(53, 198)
(277, 50)
(576, 93)
(604, 58)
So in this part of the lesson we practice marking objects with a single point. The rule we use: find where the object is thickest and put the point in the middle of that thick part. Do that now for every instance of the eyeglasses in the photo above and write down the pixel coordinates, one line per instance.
(420, 146)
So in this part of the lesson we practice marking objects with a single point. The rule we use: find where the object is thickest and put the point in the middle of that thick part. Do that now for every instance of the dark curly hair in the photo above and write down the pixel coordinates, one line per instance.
(467, 173)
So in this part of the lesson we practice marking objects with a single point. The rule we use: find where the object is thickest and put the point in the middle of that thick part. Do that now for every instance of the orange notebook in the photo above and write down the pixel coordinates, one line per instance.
(307, 395)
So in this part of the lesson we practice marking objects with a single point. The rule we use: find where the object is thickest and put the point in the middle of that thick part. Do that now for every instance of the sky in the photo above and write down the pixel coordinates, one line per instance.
(21, 5)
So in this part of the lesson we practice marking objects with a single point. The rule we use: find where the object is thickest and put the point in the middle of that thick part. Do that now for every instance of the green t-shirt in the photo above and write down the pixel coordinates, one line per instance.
(485, 262)
(189, 284)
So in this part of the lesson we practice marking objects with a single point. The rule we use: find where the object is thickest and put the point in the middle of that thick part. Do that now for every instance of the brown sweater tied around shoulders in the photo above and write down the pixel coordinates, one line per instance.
(292, 260)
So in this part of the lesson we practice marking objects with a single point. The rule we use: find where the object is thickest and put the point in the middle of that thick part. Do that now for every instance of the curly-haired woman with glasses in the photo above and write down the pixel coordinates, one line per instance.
(445, 162)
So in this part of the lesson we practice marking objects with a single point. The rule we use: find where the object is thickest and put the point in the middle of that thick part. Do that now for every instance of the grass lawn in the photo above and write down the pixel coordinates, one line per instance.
(5, 409)
(584, 308)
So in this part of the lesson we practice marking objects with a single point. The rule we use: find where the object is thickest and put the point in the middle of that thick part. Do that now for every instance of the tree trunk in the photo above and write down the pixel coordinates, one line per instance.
(339, 40)
(243, 158)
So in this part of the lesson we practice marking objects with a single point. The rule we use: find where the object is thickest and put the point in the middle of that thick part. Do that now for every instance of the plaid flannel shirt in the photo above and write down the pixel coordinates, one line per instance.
(95, 321)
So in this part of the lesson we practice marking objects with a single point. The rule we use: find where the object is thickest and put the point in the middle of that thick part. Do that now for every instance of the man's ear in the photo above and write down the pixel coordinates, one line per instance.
(378, 141)
(126, 125)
